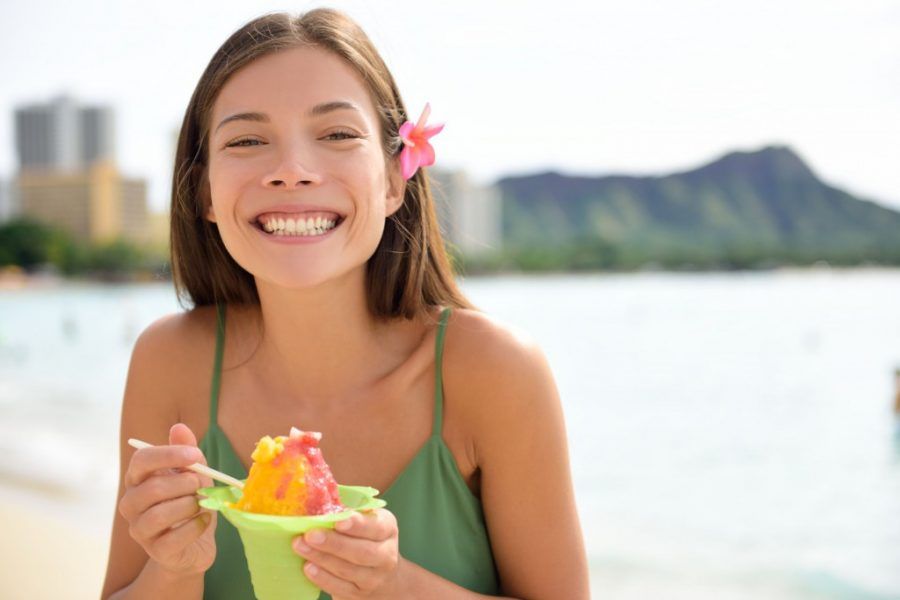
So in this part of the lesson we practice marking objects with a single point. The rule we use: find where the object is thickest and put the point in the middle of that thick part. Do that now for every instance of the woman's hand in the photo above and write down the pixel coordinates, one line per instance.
(360, 558)
(160, 505)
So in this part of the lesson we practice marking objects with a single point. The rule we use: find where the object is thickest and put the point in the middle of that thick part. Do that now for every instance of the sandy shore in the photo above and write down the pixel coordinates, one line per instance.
(47, 557)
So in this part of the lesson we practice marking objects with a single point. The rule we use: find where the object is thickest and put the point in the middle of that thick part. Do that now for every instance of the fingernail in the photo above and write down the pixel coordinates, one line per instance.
(300, 547)
(315, 537)
(312, 569)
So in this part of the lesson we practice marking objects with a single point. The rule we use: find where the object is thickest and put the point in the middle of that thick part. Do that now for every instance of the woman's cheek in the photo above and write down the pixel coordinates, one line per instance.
(229, 175)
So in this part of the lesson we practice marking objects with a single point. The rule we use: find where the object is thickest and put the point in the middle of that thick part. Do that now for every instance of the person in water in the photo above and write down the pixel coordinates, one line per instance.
(307, 254)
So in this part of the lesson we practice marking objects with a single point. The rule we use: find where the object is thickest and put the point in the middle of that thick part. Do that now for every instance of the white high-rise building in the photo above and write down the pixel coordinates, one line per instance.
(63, 136)
(470, 215)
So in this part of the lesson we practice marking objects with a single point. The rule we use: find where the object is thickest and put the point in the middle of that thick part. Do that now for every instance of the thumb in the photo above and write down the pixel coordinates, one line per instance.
(181, 435)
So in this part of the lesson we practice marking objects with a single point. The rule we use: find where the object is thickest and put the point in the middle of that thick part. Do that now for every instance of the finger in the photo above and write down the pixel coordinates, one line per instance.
(359, 552)
(329, 582)
(159, 518)
(159, 488)
(205, 480)
(181, 434)
(378, 524)
(146, 461)
(184, 535)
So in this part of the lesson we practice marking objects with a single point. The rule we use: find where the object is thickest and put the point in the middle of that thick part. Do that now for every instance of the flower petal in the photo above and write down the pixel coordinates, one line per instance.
(425, 113)
(426, 154)
(406, 129)
(433, 130)
(409, 162)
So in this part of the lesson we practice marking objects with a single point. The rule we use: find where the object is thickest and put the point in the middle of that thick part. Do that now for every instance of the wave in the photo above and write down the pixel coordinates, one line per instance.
(636, 578)
(44, 460)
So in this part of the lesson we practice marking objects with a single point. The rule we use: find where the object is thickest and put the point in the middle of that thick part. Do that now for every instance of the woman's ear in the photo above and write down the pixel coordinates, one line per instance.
(205, 198)
(396, 188)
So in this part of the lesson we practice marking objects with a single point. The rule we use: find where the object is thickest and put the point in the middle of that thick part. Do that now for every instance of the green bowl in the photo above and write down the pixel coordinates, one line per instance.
(275, 569)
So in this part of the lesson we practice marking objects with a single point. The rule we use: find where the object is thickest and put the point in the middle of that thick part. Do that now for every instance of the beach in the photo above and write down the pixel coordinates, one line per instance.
(45, 555)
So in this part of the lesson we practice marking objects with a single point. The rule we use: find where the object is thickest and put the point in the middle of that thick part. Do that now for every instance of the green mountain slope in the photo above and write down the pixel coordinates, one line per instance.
(765, 204)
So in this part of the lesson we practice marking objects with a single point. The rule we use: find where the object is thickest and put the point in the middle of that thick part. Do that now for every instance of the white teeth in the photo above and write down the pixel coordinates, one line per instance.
(300, 227)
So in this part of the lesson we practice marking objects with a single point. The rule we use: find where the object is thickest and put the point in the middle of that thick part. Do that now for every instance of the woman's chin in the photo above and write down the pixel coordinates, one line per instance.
(292, 282)
(299, 279)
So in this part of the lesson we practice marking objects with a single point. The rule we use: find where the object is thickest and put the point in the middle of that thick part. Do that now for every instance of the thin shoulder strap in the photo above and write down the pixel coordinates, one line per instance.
(217, 369)
(438, 385)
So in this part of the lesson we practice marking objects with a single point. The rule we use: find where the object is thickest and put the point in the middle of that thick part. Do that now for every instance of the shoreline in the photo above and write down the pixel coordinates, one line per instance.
(14, 279)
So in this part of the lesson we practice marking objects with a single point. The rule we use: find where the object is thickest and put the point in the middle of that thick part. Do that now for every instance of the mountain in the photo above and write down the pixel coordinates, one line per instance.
(767, 201)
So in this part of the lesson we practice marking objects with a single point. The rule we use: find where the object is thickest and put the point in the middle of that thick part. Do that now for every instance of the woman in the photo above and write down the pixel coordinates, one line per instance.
(298, 229)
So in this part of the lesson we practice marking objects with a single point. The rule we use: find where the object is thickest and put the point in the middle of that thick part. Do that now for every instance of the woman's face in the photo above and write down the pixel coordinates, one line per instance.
(281, 158)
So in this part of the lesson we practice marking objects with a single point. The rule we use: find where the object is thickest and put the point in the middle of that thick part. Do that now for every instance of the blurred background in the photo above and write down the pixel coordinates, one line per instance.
(694, 207)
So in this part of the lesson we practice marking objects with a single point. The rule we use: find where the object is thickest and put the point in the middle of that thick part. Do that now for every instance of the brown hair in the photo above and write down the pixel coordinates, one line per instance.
(410, 269)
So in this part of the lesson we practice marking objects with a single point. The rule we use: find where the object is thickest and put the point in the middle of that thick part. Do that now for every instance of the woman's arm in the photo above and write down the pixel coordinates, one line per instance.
(155, 582)
(422, 583)
(148, 410)
(522, 451)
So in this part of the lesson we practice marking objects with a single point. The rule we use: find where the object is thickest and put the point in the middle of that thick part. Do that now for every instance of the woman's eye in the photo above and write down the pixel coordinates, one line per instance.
(247, 142)
(243, 143)
(345, 135)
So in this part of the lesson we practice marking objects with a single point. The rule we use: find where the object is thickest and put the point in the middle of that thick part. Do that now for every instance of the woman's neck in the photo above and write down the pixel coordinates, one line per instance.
(324, 345)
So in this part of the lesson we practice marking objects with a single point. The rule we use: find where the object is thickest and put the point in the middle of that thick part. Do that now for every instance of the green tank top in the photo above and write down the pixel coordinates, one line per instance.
(440, 520)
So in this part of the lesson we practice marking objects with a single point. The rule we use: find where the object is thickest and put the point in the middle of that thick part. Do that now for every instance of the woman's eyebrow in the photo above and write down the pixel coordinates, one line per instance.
(315, 111)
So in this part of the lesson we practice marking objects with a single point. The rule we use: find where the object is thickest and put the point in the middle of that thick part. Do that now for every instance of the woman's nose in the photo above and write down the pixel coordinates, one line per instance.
(292, 171)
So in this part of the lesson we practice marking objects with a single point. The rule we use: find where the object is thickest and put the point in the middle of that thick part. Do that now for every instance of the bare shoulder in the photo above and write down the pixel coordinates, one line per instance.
(164, 362)
(179, 332)
(499, 371)
(473, 329)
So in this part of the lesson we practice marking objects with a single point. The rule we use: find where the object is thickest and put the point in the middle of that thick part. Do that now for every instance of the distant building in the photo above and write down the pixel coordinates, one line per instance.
(63, 136)
(67, 173)
(158, 231)
(97, 134)
(94, 205)
(9, 207)
(470, 215)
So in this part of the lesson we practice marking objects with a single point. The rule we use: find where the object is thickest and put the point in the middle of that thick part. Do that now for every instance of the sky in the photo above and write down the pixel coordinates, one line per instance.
(583, 88)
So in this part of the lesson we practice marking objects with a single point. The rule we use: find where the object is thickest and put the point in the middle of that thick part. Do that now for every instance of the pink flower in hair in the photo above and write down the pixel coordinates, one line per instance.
(417, 151)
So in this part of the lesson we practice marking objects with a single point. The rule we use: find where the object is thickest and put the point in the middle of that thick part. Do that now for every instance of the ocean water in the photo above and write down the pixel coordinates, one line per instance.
(731, 435)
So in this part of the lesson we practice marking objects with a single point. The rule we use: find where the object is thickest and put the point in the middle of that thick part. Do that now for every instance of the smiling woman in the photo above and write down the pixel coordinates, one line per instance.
(297, 220)
(298, 153)
(226, 125)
